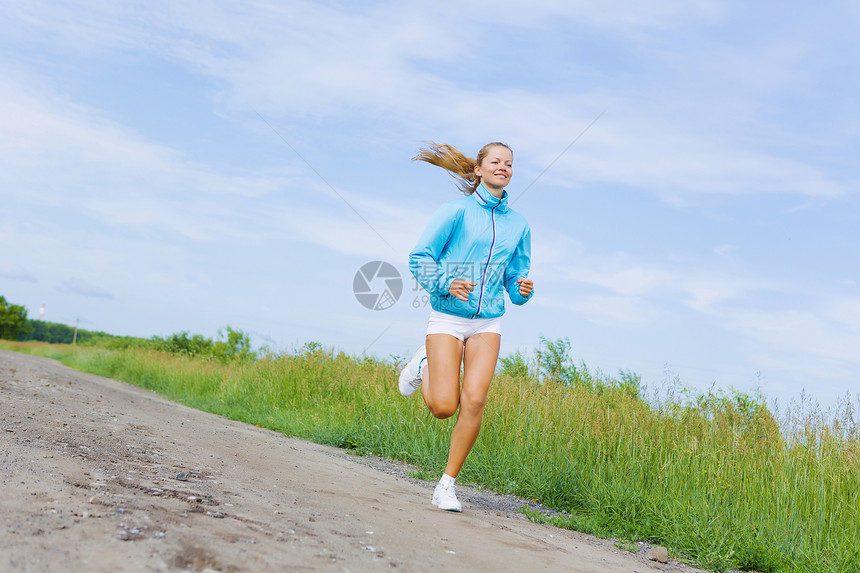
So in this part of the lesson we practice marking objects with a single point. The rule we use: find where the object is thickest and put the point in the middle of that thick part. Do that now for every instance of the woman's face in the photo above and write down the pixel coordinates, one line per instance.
(496, 169)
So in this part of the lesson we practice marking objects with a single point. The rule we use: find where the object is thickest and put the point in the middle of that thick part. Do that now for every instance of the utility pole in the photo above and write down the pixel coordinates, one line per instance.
(75, 337)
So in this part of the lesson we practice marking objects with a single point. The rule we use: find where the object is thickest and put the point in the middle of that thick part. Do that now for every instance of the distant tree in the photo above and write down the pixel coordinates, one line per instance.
(516, 365)
(13, 320)
(181, 344)
(237, 346)
(58, 333)
(234, 345)
(52, 332)
(556, 365)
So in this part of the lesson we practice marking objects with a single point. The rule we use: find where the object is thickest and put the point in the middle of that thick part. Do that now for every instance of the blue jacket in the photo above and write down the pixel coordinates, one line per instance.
(480, 239)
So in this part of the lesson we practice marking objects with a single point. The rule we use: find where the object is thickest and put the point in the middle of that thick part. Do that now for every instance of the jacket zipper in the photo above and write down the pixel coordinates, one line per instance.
(489, 258)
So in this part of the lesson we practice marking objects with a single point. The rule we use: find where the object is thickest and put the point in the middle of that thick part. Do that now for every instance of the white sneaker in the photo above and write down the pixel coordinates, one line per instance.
(410, 376)
(445, 497)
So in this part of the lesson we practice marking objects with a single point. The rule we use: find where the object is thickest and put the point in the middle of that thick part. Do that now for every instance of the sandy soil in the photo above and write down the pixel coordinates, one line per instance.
(90, 471)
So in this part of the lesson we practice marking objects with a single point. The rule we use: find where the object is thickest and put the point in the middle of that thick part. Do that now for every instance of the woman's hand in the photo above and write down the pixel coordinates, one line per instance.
(526, 286)
(461, 289)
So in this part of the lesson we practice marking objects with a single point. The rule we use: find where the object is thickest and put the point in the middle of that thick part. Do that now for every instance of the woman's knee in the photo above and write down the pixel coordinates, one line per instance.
(472, 405)
(443, 410)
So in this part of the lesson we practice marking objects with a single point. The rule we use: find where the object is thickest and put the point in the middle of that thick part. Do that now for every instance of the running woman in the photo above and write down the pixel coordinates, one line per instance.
(472, 249)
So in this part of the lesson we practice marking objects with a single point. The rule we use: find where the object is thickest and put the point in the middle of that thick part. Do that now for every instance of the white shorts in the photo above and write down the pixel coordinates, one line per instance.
(460, 327)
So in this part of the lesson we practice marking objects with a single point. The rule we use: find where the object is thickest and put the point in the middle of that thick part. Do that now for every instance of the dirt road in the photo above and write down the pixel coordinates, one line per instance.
(98, 475)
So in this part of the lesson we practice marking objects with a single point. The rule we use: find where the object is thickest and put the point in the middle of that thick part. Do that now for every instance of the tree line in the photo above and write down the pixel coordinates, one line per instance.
(231, 344)
(13, 320)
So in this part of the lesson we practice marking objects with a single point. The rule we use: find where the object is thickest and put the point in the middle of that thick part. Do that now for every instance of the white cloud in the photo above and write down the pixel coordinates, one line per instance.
(551, 248)
(703, 288)
(308, 57)
(620, 277)
(114, 176)
(671, 160)
(84, 288)
(726, 251)
(845, 312)
(137, 188)
(15, 272)
(616, 311)
(801, 332)
(708, 289)
(622, 15)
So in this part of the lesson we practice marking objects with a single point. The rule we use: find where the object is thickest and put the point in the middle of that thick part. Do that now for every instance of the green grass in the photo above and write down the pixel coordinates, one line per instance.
(714, 479)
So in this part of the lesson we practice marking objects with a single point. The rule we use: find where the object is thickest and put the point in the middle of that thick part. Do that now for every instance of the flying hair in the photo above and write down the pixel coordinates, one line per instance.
(452, 160)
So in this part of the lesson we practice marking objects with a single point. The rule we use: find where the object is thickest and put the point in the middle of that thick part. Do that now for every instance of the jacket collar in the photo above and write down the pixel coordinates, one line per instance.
(487, 200)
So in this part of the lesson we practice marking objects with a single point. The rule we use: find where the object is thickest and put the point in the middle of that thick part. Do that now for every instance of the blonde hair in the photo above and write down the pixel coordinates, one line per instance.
(452, 160)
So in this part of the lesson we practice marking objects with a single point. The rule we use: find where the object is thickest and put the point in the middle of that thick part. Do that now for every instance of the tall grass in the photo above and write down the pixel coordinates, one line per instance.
(715, 479)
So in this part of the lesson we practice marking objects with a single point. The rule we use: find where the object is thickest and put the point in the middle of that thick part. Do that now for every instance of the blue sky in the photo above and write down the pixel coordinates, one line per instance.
(705, 227)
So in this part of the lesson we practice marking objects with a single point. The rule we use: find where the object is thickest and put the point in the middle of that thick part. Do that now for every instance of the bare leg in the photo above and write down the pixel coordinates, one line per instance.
(479, 364)
(441, 377)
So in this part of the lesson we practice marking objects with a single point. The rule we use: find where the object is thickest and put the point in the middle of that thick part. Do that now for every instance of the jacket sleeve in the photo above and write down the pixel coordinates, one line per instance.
(424, 258)
(518, 267)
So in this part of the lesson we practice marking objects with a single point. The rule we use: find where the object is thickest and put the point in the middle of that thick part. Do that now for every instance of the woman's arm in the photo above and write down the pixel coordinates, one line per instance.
(424, 258)
(519, 286)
